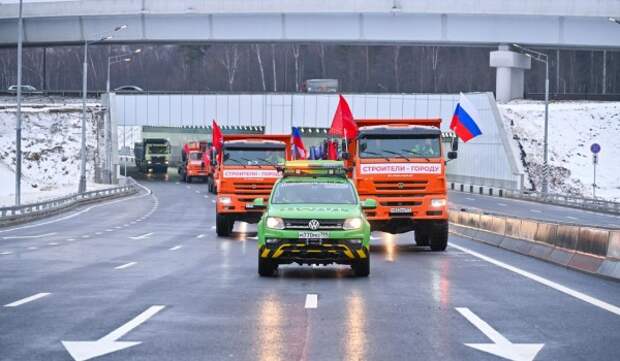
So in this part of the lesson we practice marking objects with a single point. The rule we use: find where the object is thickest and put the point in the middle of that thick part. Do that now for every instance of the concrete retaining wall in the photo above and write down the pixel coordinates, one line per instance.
(593, 250)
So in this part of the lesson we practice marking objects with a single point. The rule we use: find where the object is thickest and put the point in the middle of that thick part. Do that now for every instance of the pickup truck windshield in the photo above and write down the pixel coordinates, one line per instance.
(382, 146)
(261, 156)
(314, 193)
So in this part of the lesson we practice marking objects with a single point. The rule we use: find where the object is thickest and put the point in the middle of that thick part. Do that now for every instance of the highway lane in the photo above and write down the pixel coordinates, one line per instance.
(212, 305)
(532, 210)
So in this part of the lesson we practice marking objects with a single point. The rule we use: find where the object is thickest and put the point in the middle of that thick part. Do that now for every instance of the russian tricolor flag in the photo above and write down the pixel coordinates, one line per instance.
(464, 119)
(299, 150)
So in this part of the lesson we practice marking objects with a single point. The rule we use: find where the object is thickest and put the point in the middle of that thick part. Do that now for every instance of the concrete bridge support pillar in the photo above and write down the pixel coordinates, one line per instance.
(509, 82)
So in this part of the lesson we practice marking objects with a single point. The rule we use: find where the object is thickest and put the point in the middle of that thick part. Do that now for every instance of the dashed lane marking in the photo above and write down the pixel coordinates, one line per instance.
(5, 253)
(212, 227)
(32, 248)
(556, 286)
(126, 265)
(98, 233)
(53, 244)
(469, 199)
(28, 237)
(571, 217)
(312, 301)
(198, 192)
(27, 299)
(536, 210)
(142, 236)
(502, 204)
(70, 239)
(85, 236)
(109, 230)
(118, 227)
(200, 236)
(176, 248)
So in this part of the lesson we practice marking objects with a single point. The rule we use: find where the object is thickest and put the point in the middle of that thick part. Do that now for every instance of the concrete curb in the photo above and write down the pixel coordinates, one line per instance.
(587, 249)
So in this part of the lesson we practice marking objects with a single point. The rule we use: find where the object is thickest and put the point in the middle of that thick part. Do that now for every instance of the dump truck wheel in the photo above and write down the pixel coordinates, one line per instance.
(421, 238)
(223, 226)
(439, 236)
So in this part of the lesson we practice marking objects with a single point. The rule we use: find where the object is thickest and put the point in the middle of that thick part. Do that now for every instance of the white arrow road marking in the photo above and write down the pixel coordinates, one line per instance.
(126, 265)
(86, 350)
(312, 300)
(556, 286)
(501, 346)
(176, 248)
(27, 237)
(143, 236)
(27, 299)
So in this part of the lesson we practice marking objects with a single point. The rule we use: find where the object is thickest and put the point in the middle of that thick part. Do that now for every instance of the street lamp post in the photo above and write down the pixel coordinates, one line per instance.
(18, 125)
(82, 183)
(542, 57)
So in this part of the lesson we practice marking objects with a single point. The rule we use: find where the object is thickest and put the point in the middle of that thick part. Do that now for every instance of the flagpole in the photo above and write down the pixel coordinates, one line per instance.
(346, 143)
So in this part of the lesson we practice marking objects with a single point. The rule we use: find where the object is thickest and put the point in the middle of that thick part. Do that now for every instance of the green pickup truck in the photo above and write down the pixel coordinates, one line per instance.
(314, 216)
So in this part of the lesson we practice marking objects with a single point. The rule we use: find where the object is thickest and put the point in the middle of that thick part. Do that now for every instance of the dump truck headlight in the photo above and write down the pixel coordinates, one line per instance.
(352, 223)
(225, 200)
(275, 223)
(438, 203)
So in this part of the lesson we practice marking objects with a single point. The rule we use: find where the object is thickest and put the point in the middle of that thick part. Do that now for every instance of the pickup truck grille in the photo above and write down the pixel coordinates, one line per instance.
(400, 186)
(325, 224)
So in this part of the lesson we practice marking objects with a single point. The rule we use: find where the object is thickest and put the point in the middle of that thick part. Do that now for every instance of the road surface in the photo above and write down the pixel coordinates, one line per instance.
(145, 278)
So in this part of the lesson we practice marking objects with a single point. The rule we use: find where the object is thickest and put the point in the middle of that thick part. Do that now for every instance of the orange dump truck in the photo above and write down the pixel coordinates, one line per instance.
(196, 162)
(246, 169)
(401, 165)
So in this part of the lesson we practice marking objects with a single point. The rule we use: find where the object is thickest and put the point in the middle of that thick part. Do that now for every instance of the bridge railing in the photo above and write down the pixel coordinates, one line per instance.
(593, 204)
(28, 212)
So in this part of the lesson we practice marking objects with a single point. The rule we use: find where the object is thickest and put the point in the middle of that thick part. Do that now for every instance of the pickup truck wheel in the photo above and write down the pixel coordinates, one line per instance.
(189, 179)
(223, 226)
(439, 236)
(361, 268)
(421, 238)
(266, 267)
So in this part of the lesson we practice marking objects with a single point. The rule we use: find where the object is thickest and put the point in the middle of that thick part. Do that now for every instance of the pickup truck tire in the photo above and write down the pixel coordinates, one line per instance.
(439, 236)
(223, 226)
(421, 238)
(266, 267)
(361, 268)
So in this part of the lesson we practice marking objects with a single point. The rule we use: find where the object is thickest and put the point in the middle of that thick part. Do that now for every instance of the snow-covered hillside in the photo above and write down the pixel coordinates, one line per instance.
(50, 145)
(573, 127)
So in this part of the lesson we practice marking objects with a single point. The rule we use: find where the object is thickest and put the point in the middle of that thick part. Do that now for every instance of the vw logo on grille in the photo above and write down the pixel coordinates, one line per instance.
(314, 224)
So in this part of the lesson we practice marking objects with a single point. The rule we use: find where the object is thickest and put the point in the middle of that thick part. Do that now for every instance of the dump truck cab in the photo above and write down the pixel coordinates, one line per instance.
(152, 155)
(246, 169)
(196, 163)
(401, 165)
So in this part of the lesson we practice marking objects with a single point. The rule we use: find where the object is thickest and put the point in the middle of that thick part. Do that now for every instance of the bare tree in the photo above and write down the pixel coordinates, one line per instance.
(260, 66)
(230, 61)
(273, 65)
(435, 61)
(322, 55)
(396, 67)
(295, 51)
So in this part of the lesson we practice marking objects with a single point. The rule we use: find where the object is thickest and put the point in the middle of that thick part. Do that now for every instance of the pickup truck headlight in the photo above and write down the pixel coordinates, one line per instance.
(438, 203)
(225, 200)
(149, 162)
(352, 223)
(274, 223)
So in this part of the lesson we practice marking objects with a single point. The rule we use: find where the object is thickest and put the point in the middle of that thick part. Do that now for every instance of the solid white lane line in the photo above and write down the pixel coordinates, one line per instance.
(126, 265)
(312, 300)
(176, 247)
(535, 210)
(556, 286)
(571, 217)
(5, 253)
(200, 236)
(28, 237)
(27, 299)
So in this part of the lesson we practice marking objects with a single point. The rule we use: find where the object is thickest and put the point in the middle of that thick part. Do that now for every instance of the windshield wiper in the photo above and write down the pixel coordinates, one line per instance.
(416, 154)
(396, 153)
(238, 161)
(377, 154)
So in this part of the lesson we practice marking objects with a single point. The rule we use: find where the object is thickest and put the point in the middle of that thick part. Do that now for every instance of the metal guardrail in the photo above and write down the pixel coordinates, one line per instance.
(27, 212)
(592, 204)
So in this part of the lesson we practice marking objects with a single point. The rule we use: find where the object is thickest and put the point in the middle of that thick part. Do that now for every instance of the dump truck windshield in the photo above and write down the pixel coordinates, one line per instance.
(249, 156)
(314, 193)
(195, 156)
(389, 146)
(158, 149)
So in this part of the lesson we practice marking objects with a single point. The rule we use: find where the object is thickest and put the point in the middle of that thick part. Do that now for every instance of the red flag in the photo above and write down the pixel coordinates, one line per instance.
(218, 137)
(343, 124)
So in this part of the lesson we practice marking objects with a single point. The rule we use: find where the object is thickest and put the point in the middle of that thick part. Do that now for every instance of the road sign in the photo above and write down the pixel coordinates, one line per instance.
(595, 148)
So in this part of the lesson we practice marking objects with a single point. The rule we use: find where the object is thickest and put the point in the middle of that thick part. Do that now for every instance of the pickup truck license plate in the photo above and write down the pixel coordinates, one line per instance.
(313, 235)
(400, 210)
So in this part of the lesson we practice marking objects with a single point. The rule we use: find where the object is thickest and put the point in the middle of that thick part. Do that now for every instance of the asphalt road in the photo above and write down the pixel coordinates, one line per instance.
(150, 270)
(532, 210)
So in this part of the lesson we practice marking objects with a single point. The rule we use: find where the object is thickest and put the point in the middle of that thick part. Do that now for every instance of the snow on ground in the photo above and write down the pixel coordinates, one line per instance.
(573, 127)
(127, 136)
(50, 145)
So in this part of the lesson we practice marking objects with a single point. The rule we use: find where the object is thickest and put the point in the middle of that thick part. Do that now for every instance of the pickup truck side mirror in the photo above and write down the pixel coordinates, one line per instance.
(259, 203)
(369, 203)
(455, 145)
(452, 155)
